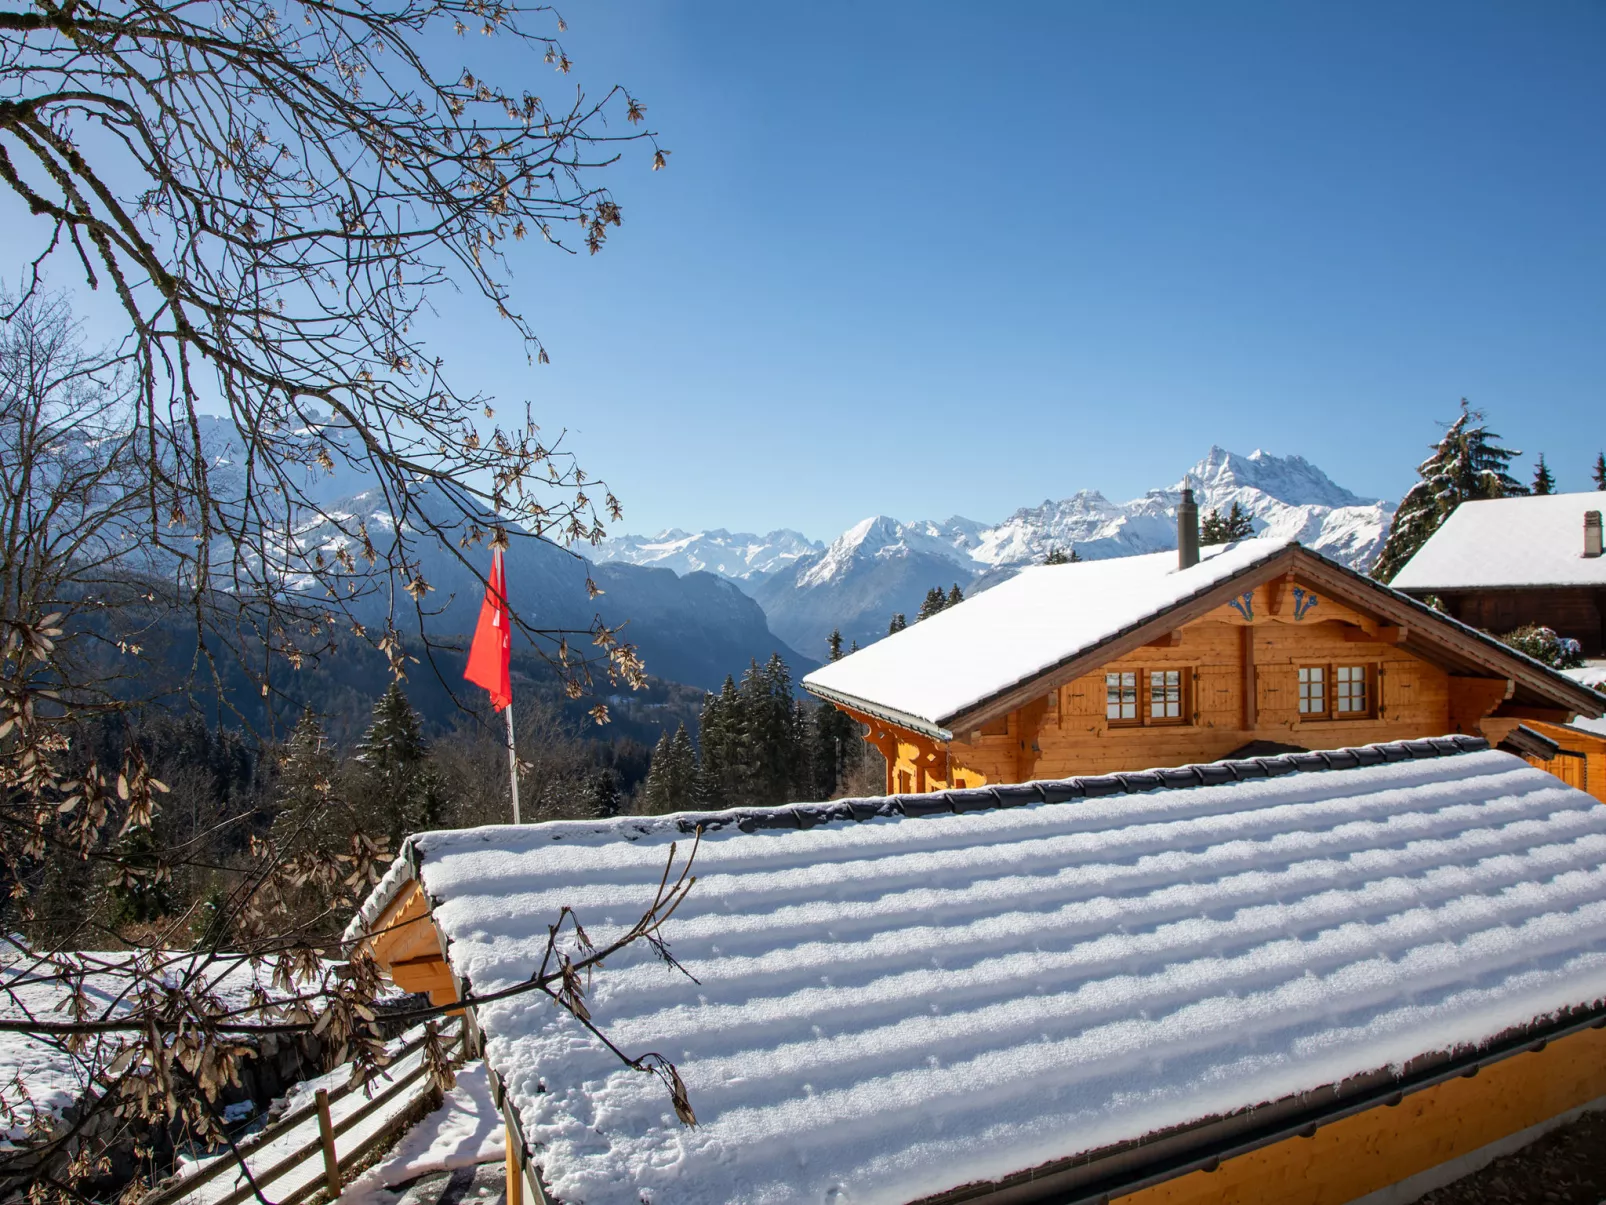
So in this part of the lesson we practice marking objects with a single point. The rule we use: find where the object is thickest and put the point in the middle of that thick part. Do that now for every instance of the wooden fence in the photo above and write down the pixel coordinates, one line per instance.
(336, 1167)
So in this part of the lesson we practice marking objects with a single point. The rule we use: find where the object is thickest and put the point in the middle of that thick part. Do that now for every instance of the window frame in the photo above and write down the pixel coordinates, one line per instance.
(1143, 690)
(1330, 711)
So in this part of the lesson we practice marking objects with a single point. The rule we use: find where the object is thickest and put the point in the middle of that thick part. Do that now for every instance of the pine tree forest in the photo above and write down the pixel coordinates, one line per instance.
(759, 745)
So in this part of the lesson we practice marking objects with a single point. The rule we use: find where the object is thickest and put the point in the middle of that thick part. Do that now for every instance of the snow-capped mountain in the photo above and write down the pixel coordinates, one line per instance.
(693, 627)
(1284, 496)
(880, 565)
(738, 555)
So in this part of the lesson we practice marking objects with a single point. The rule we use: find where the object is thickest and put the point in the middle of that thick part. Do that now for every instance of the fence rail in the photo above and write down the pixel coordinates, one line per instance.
(335, 1167)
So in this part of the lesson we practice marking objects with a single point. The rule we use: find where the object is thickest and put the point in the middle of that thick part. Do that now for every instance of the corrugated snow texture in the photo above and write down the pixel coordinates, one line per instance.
(935, 669)
(1533, 541)
(893, 1008)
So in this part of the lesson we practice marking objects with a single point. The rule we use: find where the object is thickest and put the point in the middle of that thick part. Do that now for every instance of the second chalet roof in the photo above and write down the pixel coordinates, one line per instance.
(1509, 542)
(943, 665)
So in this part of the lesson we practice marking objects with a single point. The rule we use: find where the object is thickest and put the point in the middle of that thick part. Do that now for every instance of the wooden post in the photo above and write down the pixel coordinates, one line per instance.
(331, 1164)
(1251, 719)
(515, 1175)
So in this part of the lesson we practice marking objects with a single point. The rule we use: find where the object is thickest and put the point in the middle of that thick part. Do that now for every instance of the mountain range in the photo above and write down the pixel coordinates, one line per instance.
(693, 627)
(881, 565)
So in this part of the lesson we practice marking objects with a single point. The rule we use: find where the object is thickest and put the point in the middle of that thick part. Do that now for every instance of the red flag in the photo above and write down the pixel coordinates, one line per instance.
(488, 656)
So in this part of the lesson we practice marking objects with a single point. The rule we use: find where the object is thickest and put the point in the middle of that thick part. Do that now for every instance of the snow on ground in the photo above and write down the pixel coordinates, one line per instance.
(44, 1074)
(935, 669)
(893, 1008)
(464, 1131)
(303, 1094)
(1593, 675)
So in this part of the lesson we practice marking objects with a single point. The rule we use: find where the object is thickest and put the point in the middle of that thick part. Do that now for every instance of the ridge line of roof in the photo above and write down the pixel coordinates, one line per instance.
(1065, 790)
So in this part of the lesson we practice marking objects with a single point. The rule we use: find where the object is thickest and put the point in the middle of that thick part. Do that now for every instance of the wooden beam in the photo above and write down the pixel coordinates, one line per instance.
(1276, 591)
(1517, 711)
(1380, 634)
(1169, 641)
(1471, 699)
(1247, 639)
(1031, 725)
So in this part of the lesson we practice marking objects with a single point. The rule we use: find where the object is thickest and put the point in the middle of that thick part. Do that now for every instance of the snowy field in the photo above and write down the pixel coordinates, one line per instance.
(897, 1007)
(43, 1075)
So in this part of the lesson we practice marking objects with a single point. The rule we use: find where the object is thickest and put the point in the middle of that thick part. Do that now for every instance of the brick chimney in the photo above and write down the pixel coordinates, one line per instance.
(1188, 530)
(1592, 545)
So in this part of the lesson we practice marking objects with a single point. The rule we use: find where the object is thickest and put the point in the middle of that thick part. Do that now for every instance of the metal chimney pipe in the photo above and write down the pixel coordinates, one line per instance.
(1592, 544)
(1188, 530)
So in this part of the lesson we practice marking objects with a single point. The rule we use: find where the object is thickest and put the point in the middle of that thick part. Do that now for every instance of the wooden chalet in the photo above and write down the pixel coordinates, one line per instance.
(1504, 563)
(1175, 658)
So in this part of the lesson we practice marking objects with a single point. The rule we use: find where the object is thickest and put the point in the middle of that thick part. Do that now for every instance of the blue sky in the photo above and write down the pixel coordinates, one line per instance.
(931, 258)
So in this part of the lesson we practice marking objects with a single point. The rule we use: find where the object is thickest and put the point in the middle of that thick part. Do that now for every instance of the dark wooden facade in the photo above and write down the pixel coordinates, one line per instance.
(1575, 611)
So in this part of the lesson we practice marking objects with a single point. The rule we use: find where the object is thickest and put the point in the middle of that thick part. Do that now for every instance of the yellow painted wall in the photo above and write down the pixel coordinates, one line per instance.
(1384, 1145)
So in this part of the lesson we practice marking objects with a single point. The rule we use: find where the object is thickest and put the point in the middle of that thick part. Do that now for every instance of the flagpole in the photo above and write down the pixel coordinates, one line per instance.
(512, 762)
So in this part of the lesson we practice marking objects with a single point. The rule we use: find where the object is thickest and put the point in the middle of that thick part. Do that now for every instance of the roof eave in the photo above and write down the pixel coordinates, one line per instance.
(891, 715)
(1155, 1158)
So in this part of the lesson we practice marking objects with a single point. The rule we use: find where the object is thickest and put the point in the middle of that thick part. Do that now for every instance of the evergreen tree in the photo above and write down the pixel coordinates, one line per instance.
(308, 814)
(672, 779)
(398, 791)
(1600, 471)
(776, 751)
(936, 600)
(1467, 463)
(720, 734)
(1543, 482)
(1055, 556)
(855, 646)
(140, 893)
(956, 595)
(898, 623)
(604, 801)
(1224, 529)
(833, 643)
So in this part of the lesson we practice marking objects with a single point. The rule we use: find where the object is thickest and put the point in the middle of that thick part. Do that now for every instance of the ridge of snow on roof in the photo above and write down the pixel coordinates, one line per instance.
(1531, 541)
(937, 668)
(898, 1007)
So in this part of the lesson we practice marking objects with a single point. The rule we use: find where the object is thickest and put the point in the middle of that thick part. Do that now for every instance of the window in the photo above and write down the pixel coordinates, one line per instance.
(1134, 697)
(1121, 698)
(1342, 692)
(1350, 683)
(1313, 690)
(1165, 696)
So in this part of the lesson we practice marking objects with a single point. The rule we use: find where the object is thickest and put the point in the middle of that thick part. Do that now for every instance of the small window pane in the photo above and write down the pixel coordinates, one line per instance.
(1121, 696)
(1312, 690)
(1350, 688)
(1165, 694)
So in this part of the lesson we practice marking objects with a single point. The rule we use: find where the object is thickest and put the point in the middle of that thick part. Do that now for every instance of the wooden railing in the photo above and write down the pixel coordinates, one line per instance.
(336, 1167)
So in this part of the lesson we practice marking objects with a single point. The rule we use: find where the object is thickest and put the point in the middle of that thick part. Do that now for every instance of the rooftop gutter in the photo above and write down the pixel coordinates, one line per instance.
(1097, 1177)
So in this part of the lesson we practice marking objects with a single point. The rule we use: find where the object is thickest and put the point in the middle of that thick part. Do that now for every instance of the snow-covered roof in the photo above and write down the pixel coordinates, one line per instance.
(943, 665)
(1532, 541)
(889, 1004)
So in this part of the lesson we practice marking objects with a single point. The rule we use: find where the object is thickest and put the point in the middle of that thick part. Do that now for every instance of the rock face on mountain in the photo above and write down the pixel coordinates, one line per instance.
(881, 565)
(740, 556)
